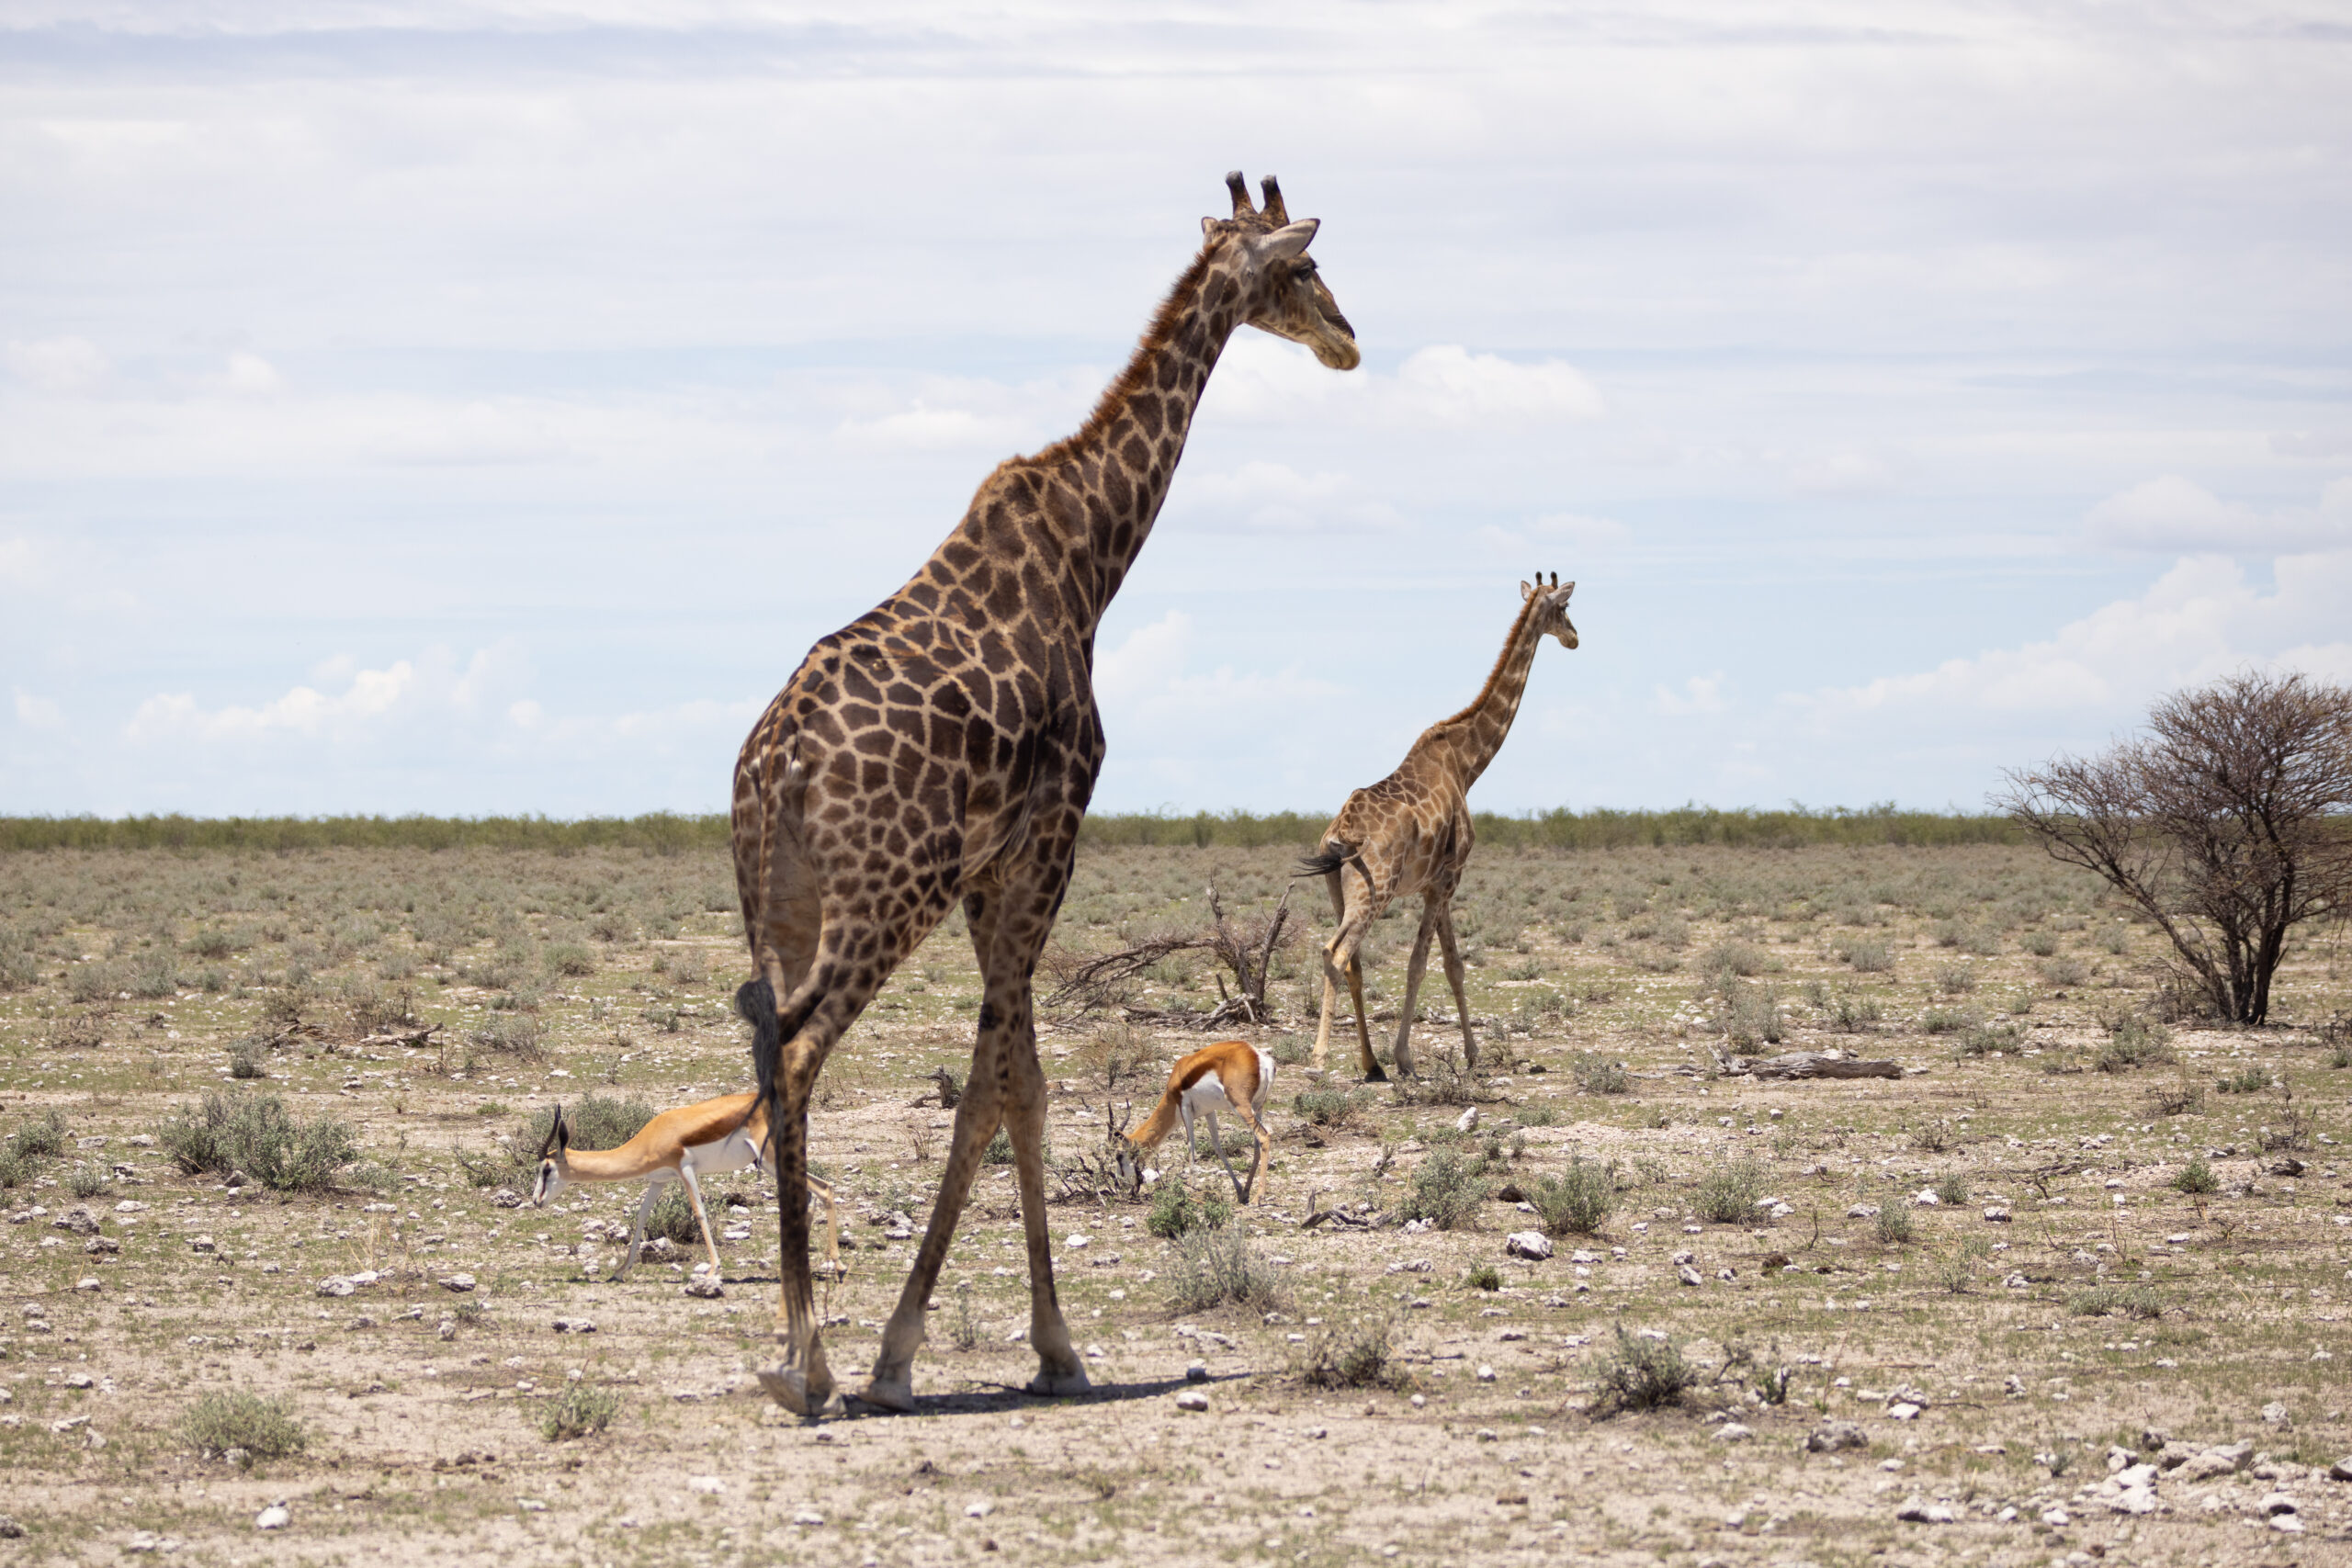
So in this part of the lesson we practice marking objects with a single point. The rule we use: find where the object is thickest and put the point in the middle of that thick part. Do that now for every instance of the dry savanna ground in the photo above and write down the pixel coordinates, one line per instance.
(2073, 1287)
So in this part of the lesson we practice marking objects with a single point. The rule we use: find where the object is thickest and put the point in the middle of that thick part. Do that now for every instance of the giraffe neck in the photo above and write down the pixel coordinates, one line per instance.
(1085, 505)
(1473, 735)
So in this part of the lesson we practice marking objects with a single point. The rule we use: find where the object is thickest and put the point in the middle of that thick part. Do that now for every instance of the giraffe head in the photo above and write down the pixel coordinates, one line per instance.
(1282, 292)
(1551, 614)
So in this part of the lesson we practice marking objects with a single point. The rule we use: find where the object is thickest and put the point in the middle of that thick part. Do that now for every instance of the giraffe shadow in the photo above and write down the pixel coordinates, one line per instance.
(984, 1399)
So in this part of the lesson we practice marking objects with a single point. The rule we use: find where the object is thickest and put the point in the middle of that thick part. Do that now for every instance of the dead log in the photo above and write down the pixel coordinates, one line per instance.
(399, 1036)
(1812, 1065)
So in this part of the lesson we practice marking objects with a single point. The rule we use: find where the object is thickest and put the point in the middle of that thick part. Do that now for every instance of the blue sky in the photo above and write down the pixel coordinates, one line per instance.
(467, 408)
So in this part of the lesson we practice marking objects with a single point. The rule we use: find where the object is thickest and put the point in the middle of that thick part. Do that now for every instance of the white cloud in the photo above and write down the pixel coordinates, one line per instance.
(372, 703)
(1444, 385)
(250, 376)
(65, 364)
(2201, 620)
(1448, 385)
(37, 712)
(1842, 472)
(2169, 515)
(16, 562)
(1555, 532)
(1147, 690)
(1700, 694)
(1272, 498)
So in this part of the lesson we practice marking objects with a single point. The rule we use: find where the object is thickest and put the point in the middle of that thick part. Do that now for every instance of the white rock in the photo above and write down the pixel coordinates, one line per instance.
(807, 1516)
(1686, 1275)
(1468, 1122)
(1532, 1245)
(275, 1517)
(1486, 1373)
(1733, 1432)
(1998, 1216)
(2057, 1518)
(460, 1283)
(1925, 1199)
(1903, 1410)
(710, 1485)
(336, 1285)
(1863, 1212)
(2285, 1524)
(1192, 1399)
(1918, 1513)
(980, 1510)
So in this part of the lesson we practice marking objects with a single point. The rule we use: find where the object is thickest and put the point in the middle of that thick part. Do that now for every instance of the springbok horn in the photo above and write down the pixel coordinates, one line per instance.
(1240, 189)
(1277, 214)
(554, 1127)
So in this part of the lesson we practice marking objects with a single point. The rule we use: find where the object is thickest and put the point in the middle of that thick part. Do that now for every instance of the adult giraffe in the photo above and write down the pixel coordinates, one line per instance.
(943, 746)
(1411, 833)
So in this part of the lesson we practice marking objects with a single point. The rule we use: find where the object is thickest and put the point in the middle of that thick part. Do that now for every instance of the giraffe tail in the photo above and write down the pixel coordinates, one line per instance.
(1323, 864)
(755, 1004)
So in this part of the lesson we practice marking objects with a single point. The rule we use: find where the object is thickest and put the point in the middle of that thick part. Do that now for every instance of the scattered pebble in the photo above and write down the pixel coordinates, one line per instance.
(277, 1516)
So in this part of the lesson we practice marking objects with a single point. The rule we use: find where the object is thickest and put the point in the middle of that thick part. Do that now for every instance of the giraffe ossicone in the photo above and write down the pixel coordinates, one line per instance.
(1411, 833)
(942, 746)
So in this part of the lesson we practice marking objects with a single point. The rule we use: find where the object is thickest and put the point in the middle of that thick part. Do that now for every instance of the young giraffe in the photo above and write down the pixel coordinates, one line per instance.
(943, 746)
(1411, 833)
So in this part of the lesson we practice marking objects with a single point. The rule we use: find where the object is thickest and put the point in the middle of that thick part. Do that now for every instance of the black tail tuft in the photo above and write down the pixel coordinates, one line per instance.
(1323, 864)
(755, 1004)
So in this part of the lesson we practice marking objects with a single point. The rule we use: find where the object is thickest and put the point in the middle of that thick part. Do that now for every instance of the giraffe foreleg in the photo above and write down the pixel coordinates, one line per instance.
(1453, 977)
(800, 1381)
(1414, 971)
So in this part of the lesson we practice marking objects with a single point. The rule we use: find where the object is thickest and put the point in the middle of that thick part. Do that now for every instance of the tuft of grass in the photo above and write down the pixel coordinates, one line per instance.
(1852, 1013)
(1956, 979)
(1353, 1352)
(1596, 1073)
(1485, 1276)
(1951, 1020)
(570, 958)
(249, 1059)
(2196, 1178)
(579, 1411)
(1894, 1224)
(255, 1134)
(1446, 1191)
(1579, 1201)
(673, 1217)
(86, 1181)
(2249, 1079)
(1220, 1267)
(2117, 1301)
(1641, 1374)
(43, 1137)
(222, 1422)
(1726, 1195)
(1984, 1039)
(2063, 974)
(1953, 1188)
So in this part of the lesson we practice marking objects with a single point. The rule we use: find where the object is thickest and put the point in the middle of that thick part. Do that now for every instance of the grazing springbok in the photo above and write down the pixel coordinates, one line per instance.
(1231, 1075)
(709, 1139)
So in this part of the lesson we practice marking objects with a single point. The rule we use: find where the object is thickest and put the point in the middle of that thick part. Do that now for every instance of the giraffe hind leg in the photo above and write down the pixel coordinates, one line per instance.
(1454, 976)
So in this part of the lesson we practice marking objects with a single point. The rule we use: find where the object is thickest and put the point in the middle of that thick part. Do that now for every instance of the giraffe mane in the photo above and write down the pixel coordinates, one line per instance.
(1131, 378)
(1526, 609)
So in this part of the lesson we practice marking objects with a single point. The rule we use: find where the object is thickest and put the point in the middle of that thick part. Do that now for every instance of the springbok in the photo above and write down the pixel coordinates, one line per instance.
(1231, 1075)
(709, 1139)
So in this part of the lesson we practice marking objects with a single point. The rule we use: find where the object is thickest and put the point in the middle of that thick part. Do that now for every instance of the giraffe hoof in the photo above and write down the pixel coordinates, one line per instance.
(1060, 1383)
(790, 1387)
(1375, 1076)
(894, 1394)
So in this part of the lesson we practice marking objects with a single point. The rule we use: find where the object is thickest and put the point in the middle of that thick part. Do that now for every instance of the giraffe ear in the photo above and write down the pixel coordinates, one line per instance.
(1208, 227)
(1525, 591)
(1289, 240)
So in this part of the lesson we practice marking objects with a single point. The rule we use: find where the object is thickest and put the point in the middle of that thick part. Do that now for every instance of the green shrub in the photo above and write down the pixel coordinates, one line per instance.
(1223, 1267)
(1952, 1189)
(42, 1137)
(1641, 1374)
(19, 969)
(1851, 1013)
(2196, 1178)
(1596, 1073)
(1446, 1191)
(86, 1181)
(571, 958)
(1754, 1015)
(249, 1059)
(1736, 956)
(673, 1217)
(2248, 1079)
(2135, 1043)
(1726, 1194)
(2063, 974)
(94, 982)
(1353, 1352)
(1327, 1105)
(2117, 1301)
(221, 1422)
(1950, 1021)
(579, 1411)
(1894, 1224)
(1579, 1201)
(1867, 957)
(2041, 942)
(1485, 1276)
(1175, 1213)
(255, 1134)
(2116, 938)
(1984, 1039)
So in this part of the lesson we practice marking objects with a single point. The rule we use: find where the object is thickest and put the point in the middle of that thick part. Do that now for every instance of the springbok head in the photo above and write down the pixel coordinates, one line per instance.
(554, 1165)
